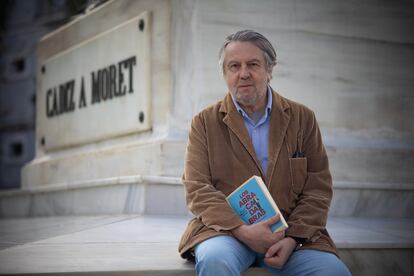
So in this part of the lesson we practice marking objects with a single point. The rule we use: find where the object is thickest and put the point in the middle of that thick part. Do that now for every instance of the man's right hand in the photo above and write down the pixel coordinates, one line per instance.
(259, 237)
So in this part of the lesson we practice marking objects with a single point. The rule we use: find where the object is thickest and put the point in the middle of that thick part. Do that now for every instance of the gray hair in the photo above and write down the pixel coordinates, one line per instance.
(257, 39)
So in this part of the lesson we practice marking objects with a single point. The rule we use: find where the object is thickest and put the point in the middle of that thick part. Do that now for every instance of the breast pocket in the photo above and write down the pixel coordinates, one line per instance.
(298, 172)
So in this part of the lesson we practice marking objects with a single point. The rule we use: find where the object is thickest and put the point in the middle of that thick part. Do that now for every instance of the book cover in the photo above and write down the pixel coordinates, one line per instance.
(253, 203)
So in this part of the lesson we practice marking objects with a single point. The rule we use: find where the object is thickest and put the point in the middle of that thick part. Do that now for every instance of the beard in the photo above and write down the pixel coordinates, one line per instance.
(248, 98)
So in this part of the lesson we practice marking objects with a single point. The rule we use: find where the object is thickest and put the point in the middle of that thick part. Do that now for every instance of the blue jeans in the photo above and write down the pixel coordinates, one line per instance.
(225, 255)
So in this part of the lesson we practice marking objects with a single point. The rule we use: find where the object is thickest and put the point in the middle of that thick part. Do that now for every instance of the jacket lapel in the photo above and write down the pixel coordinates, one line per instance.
(234, 121)
(279, 121)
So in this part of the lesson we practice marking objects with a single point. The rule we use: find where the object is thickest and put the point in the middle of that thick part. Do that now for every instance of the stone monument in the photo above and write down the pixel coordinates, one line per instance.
(117, 89)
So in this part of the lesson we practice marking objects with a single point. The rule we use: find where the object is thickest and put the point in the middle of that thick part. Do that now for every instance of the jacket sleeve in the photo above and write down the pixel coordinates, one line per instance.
(309, 217)
(206, 202)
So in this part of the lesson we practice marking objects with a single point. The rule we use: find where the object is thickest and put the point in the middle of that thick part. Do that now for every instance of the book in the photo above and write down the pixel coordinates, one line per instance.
(253, 203)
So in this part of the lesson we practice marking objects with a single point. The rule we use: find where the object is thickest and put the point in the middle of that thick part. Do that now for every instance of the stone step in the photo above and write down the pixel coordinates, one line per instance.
(356, 157)
(371, 164)
(147, 245)
(365, 199)
(142, 195)
(370, 155)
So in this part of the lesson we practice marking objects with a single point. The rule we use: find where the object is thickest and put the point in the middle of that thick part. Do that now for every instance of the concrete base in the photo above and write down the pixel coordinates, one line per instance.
(147, 245)
(145, 156)
(380, 200)
(144, 194)
(118, 195)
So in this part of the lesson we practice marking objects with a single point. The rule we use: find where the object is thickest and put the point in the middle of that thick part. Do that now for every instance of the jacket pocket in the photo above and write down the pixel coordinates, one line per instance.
(298, 172)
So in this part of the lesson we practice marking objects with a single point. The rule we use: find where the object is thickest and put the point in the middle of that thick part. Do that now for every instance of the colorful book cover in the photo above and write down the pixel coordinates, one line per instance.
(253, 203)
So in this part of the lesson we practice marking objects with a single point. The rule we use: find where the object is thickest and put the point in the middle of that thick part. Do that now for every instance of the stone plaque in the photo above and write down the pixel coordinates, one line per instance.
(98, 89)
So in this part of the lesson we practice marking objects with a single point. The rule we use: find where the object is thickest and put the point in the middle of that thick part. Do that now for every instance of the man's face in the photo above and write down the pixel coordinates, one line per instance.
(245, 73)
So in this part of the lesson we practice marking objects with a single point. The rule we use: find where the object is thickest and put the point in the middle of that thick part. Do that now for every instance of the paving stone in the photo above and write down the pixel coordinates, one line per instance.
(147, 245)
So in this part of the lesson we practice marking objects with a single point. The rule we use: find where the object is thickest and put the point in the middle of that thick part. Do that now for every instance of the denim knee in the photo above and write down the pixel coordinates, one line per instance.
(222, 255)
(333, 266)
(215, 264)
(314, 262)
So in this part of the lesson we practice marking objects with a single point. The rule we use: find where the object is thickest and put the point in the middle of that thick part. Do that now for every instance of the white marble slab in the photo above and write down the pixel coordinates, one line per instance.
(351, 19)
(87, 257)
(401, 228)
(327, 57)
(148, 244)
(371, 165)
(132, 229)
(142, 195)
(18, 231)
(379, 262)
(348, 235)
(374, 203)
(105, 84)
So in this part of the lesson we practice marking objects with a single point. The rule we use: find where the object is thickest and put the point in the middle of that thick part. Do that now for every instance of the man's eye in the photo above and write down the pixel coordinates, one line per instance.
(234, 67)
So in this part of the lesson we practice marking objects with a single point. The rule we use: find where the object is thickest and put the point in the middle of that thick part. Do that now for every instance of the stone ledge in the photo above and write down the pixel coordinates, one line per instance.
(140, 194)
(93, 183)
(147, 245)
(361, 185)
(172, 180)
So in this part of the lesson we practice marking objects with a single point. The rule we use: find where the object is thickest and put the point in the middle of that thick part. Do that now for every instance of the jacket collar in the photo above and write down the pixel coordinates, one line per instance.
(279, 121)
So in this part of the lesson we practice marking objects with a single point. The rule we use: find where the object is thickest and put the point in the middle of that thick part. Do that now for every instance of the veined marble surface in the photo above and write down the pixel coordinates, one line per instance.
(142, 194)
(139, 244)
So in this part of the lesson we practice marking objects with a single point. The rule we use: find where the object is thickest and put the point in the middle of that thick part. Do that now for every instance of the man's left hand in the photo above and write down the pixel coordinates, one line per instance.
(279, 253)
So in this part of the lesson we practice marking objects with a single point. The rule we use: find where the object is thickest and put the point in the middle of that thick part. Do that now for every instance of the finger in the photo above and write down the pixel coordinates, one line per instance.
(273, 250)
(273, 262)
(277, 236)
(280, 234)
(272, 220)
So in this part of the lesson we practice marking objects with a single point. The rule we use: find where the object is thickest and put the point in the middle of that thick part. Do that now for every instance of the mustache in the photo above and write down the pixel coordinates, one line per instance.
(244, 84)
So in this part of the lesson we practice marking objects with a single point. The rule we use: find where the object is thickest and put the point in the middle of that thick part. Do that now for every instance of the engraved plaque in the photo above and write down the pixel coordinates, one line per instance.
(98, 89)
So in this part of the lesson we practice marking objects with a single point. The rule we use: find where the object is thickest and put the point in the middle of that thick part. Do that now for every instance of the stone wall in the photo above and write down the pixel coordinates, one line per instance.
(350, 62)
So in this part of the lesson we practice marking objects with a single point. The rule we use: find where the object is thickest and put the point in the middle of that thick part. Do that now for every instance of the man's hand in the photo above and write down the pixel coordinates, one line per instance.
(259, 237)
(279, 253)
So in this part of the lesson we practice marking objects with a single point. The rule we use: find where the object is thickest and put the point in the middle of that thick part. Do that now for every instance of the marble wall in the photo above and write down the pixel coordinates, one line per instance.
(378, 262)
(115, 155)
(333, 56)
(350, 62)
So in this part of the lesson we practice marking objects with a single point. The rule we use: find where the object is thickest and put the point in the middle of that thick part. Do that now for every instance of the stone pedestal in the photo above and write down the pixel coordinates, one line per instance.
(351, 63)
(103, 97)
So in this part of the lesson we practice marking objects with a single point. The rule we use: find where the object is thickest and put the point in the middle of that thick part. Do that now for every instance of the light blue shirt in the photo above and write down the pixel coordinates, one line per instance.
(259, 132)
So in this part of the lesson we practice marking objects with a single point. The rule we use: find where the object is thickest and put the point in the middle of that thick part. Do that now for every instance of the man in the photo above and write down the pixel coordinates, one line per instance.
(255, 131)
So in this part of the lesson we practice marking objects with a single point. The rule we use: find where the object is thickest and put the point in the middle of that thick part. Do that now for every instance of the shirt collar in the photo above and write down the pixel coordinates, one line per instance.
(268, 105)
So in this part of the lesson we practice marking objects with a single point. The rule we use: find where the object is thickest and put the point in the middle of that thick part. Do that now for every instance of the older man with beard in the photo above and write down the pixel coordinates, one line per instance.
(255, 131)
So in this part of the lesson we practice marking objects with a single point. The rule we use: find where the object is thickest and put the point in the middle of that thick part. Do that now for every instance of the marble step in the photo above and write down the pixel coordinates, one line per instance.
(371, 164)
(361, 156)
(143, 194)
(373, 199)
(354, 156)
(147, 245)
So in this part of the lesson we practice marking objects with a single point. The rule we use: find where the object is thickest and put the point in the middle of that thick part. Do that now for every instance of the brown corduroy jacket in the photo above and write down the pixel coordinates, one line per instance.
(220, 156)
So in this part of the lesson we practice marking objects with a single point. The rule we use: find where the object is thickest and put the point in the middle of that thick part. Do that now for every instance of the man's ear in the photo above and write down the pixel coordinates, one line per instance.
(269, 75)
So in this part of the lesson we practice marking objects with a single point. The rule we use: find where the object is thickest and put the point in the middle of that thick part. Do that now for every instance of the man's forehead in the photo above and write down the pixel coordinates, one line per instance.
(243, 50)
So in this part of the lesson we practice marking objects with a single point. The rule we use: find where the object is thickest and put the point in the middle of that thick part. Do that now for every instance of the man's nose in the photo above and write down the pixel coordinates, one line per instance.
(244, 72)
